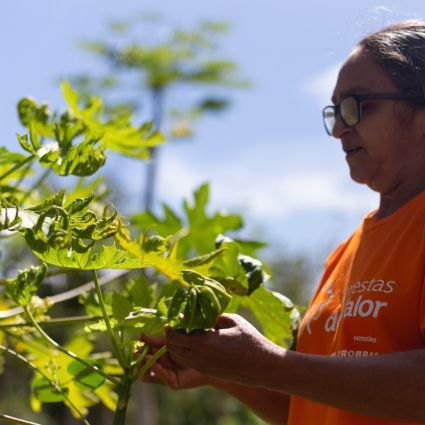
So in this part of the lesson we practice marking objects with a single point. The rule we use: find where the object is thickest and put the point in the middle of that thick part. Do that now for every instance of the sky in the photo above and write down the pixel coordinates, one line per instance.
(268, 157)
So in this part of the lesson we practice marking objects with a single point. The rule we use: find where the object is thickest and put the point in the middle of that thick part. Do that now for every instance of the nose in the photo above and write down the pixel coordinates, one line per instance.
(340, 129)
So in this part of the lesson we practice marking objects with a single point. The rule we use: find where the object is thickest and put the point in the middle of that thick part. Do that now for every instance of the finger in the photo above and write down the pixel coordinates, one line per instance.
(153, 340)
(178, 338)
(150, 378)
(181, 358)
(175, 338)
(159, 375)
(226, 321)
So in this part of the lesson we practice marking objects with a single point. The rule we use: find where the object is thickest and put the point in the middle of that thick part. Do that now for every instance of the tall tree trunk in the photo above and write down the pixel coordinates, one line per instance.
(152, 166)
(144, 396)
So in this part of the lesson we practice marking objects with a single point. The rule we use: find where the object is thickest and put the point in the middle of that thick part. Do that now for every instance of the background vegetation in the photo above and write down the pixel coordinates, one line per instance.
(189, 58)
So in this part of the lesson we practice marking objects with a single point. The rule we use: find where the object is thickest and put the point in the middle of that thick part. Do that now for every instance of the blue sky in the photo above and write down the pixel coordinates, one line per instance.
(268, 157)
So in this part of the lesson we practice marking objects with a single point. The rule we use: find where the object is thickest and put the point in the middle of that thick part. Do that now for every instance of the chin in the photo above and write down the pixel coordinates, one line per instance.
(358, 177)
(362, 179)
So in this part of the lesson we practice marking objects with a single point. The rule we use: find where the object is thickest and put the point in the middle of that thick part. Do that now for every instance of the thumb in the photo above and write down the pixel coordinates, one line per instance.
(226, 321)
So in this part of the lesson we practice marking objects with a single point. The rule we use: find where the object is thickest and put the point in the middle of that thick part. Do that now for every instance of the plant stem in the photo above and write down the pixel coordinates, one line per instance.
(148, 364)
(17, 167)
(67, 295)
(36, 369)
(140, 358)
(123, 398)
(129, 378)
(13, 420)
(115, 345)
(74, 356)
(52, 322)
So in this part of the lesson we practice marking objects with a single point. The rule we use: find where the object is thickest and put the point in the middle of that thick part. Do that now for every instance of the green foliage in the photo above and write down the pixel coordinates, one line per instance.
(181, 59)
(186, 269)
(46, 393)
(275, 313)
(85, 377)
(25, 285)
(79, 136)
(198, 305)
(187, 57)
(197, 231)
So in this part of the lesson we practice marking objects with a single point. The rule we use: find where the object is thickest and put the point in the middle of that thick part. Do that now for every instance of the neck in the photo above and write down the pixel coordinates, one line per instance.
(393, 200)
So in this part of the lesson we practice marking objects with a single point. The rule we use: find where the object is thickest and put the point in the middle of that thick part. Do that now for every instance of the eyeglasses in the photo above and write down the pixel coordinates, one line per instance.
(349, 108)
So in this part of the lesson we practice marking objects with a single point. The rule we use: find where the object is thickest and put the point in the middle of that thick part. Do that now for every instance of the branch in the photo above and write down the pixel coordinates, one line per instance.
(12, 419)
(67, 295)
(71, 354)
(114, 342)
(56, 387)
(58, 322)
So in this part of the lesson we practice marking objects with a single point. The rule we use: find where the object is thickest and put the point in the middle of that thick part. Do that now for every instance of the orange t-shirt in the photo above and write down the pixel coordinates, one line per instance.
(370, 301)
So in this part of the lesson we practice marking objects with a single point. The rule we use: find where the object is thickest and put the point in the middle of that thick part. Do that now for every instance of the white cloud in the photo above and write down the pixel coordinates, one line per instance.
(265, 184)
(297, 192)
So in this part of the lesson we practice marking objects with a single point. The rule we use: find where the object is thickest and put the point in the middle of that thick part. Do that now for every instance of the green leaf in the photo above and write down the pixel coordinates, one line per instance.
(274, 314)
(106, 257)
(70, 96)
(120, 137)
(198, 305)
(145, 320)
(253, 271)
(148, 220)
(25, 285)
(155, 244)
(91, 303)
(239, 273)
(56, 199)
(141, 291)
(83, 159)
(25, 144)
(45, 392)
(85, 377)
(79, 204)
(121, 306)
(196, 233)
(10, 218)
(203, 259)
(7, 157)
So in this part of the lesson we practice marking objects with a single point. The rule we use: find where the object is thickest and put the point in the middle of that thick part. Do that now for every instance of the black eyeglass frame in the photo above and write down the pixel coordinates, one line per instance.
(359, 98)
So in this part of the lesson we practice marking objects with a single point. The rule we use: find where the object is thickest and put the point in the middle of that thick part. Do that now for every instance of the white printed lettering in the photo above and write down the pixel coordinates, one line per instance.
(378, 306)
(331, 322)
(390, 287)
(378, 286)
(356, 307)
(348, 310)
(369, 308)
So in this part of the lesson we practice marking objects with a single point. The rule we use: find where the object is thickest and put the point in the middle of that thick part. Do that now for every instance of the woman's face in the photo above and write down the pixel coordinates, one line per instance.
(386, 149)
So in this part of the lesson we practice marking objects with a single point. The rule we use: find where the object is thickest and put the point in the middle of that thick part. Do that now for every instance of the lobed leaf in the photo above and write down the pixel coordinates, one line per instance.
(85, 377)
(274, 313)
(44, 391)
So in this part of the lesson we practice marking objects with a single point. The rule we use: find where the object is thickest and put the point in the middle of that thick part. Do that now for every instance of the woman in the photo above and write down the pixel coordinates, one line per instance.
(361, 347)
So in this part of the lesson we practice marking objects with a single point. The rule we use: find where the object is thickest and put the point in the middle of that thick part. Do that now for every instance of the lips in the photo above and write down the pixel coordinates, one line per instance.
(349, 150)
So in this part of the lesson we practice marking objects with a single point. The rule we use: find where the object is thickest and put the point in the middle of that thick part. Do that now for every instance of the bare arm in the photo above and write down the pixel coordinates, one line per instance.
(389, 386)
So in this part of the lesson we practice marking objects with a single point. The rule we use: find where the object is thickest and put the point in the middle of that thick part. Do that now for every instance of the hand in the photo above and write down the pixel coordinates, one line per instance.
(168, 372)
(233, 351)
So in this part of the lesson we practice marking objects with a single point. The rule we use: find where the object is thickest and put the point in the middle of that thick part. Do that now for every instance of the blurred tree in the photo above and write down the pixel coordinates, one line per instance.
(158, 58)
(294, 275)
